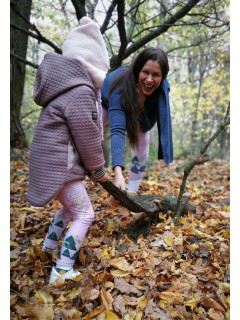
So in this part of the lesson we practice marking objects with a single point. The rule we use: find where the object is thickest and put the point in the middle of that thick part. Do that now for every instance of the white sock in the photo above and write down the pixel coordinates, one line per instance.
(133, 185)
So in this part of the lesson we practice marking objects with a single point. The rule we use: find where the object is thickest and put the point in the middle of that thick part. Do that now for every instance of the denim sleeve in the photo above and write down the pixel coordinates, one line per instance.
(117, 120)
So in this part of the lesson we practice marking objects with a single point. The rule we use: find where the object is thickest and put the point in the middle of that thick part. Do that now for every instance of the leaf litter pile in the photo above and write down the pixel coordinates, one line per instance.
(164, 271)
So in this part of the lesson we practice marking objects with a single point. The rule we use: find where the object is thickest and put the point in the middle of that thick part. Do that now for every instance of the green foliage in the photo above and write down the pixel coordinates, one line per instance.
(198, 44)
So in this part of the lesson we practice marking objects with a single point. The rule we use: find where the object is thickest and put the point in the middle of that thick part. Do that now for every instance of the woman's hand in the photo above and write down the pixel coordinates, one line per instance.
(119, 179)
(119, 182)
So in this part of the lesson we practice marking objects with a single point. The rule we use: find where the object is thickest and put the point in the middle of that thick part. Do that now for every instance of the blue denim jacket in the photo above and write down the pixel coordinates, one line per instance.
(117, 120)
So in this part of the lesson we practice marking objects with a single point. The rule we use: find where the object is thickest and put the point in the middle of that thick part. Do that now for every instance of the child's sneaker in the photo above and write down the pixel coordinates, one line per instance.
(70, 274)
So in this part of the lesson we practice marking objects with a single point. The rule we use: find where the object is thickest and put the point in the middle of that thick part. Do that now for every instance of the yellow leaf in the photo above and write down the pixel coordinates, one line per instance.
(192, 303)
(119, 273)
(139, 315)
(74, 293)
(29, 250)
(169, 241)
(105, 254)
(165, 254)
(193, 247)
(44, 297)
(225, 287)
(143, 303)
(37, 241)
(171, 297)
(163, 304)
(13, 244)
(61, 298)
(120, 263)
(183, 220)
(110, 227)
(26, 209)
(109, 315)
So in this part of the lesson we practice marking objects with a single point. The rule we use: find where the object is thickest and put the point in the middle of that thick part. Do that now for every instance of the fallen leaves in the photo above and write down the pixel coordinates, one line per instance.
(171, 272)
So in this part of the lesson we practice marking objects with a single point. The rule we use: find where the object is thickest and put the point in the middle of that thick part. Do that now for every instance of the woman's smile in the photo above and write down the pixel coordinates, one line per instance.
(150, 77)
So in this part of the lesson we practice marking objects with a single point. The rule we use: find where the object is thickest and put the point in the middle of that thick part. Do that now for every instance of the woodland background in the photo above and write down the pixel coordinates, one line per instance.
(168, 270)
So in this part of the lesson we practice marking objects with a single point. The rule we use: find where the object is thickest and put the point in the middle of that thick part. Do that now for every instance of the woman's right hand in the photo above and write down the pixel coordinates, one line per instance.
(119, 182)
(119, 179)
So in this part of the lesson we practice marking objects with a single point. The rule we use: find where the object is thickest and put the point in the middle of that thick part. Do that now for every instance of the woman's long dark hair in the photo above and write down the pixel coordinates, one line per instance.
(128, 80)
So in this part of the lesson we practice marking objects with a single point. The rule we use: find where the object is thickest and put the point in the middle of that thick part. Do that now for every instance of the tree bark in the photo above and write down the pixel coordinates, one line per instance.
(19, 15)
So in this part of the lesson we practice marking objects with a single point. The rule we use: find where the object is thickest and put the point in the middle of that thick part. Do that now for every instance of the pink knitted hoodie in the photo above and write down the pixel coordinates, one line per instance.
(67, 141)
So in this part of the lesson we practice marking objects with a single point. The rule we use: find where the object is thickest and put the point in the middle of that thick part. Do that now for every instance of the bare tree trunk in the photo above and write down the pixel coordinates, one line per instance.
(106, 145)
(20, 15)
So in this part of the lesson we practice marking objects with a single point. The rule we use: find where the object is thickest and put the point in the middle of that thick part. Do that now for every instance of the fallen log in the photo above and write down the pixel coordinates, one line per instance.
(149, 204)
(152, 204)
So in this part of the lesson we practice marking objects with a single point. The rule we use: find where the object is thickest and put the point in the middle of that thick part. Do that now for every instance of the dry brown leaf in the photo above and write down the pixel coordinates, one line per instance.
(95, 312)
(106, 299)
(120, 273)
(211, 303)
(125, 287)
(215, 314)
(171, 297)
(72, 314)
(38, 313)
(120, 263)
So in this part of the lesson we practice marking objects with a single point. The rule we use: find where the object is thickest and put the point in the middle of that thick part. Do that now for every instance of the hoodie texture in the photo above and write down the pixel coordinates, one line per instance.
(67, 141)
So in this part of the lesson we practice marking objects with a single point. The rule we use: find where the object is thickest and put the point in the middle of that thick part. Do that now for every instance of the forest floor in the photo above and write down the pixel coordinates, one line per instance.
(167, 272)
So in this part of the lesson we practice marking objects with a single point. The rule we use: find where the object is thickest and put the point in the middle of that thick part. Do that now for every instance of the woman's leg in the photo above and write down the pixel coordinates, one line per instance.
(139, 162)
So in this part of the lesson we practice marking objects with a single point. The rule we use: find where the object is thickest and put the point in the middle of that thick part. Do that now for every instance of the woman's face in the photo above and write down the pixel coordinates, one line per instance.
(150, 77)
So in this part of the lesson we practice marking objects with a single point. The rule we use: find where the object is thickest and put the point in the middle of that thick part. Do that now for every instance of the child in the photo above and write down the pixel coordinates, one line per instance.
(68, 140)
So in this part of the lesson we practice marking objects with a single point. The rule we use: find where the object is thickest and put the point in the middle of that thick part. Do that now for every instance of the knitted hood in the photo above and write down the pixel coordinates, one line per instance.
(85, 43)
(58, 74)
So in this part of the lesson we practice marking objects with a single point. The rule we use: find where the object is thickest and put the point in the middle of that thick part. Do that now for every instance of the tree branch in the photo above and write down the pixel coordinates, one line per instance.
(79, 6)
(28, 113)
(197, 44)
(189, 168)
(122, 32)
(39, 37)
(24, 60)
(161, 29)
(108, 16)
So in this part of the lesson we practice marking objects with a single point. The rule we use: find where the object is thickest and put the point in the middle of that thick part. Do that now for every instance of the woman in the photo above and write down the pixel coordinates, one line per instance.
(67, 143)
(134, 98)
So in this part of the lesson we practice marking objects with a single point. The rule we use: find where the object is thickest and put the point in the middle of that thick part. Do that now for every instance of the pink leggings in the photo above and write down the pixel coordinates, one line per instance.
(77, 209)
(139, 157)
